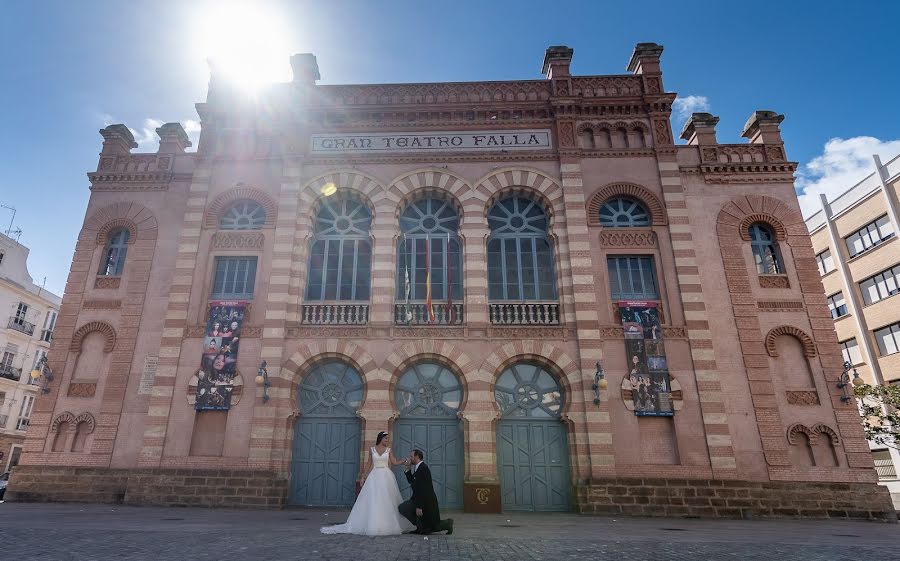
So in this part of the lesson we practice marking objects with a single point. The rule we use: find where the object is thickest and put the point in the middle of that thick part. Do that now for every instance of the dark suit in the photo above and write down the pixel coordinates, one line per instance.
(423, 497)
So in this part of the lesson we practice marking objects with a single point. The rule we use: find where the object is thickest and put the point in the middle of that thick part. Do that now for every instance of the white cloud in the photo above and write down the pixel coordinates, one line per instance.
(146, 137)
(684, 106)
(842, 164)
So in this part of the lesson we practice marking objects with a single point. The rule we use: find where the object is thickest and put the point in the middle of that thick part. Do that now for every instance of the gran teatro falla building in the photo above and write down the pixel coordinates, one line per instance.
(529, 280)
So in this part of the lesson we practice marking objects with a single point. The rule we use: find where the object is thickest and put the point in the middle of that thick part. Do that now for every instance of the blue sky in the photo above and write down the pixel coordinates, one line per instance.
(69, 68)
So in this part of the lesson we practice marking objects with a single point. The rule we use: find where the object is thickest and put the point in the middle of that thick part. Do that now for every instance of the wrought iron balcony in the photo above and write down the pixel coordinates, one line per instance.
(418, 314)
(334, 314)
(10, 373)
(21, 325)
(524, 313)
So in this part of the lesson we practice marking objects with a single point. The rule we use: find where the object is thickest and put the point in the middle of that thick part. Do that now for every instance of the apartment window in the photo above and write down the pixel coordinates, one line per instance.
(869, 236)
(235, 278)
(49, 326)
(888, 339)
(113, 262)
(2, 400)
(7, 359)
(765, 250)
(881, 286)
(21, 313)
(825, 262)
(850, 351)
(1, 257)
(837, 305)
(25, 412)
(632, 278)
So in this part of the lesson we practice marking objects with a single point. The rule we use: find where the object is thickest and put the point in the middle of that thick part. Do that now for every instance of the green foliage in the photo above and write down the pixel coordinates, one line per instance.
(880, 410)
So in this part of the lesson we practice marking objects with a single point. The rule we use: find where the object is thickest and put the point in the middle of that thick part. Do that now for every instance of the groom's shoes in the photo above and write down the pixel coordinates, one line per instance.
(449, 526)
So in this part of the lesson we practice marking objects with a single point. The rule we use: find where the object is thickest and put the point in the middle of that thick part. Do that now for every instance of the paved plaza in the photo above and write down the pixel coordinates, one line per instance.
(101, 532)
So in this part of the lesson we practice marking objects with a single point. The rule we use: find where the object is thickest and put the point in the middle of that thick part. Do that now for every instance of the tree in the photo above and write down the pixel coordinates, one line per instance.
(880, 410)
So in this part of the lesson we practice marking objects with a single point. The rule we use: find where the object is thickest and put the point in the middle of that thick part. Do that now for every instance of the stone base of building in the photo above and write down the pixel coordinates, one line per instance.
(156, 487)
(734, 499)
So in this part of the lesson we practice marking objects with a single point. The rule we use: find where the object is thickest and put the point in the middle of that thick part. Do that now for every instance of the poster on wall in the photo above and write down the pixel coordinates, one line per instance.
(218, 363)
(648, 369)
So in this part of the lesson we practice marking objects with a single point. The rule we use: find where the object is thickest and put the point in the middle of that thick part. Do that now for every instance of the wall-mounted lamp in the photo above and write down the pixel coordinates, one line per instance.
(600, 383)
(42, 375)
(846, 381)
(262, 379)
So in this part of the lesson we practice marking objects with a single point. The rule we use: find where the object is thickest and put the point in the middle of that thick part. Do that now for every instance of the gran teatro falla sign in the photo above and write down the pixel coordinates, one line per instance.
(451, 141)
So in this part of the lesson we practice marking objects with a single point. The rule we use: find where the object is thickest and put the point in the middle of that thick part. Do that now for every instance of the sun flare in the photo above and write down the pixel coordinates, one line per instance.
(246, 43)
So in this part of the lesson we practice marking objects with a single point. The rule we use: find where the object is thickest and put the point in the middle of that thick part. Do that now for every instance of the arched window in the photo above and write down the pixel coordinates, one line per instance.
(113, 262)
(528, 390)
(765, 250)
(622, 212)
(428, 389)
(520, 258)
(429, 242)
(340, 260)
(331, 389)
(243, 215)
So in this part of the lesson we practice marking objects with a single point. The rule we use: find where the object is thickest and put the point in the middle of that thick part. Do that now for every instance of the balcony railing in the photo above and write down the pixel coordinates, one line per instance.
(525, 313)
(10, 373)
(21, 325)
(418, 314)
(335, 314)
(885, 469)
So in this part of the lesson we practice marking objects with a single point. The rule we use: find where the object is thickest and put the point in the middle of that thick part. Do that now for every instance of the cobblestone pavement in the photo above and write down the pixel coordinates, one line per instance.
(98, 532)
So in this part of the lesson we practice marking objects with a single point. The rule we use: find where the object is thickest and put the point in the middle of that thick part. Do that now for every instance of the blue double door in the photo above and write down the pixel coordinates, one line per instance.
(533, 460)
(325, 462)
(441, 440)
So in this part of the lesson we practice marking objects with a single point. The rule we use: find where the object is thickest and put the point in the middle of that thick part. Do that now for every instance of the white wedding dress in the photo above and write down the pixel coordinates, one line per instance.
(375, 511)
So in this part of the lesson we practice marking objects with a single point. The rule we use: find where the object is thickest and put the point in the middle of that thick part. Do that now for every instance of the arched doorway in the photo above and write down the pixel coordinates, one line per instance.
(532, 443)
(325, 461)
(428, 396)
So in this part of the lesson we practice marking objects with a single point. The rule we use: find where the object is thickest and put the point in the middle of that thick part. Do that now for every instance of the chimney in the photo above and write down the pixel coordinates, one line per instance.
(117, 140)
(763, 128)
(305, 69)
(700, 129)
(172, 139)
(645, 59)
(556, 62)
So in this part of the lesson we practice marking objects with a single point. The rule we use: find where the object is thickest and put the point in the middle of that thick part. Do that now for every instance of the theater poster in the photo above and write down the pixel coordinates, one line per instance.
(648, 370)
(218, 364)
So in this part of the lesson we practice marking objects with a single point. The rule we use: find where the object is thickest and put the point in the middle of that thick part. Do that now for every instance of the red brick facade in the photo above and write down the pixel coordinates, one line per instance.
(731, 334)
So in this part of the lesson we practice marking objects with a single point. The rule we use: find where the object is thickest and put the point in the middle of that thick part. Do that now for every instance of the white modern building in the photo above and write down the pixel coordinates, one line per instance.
(855, 240)
(27, 318)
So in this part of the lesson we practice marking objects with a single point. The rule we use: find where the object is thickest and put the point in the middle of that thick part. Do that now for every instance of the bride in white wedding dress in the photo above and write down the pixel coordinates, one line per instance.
(375, 511)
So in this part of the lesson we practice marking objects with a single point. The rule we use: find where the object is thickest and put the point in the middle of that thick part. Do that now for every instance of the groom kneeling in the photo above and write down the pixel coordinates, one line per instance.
(422, 508)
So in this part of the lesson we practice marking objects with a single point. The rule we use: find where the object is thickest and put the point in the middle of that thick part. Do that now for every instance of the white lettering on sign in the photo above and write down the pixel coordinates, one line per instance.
(148, 376)
(467, 141)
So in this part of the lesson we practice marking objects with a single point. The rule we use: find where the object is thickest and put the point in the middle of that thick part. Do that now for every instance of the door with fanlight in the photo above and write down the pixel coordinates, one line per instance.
(428, 396)
(325, 461)
(532, 441)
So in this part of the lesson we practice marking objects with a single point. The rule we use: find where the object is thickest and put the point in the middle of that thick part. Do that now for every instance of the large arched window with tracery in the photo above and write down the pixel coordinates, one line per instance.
(340, 258)
(429, 251)
(243, 215)
(519, 254)
(624, 212)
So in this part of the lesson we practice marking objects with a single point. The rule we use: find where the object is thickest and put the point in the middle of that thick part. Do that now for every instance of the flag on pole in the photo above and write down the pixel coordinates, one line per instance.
(407, 312)
(449, 262)
(428, 307)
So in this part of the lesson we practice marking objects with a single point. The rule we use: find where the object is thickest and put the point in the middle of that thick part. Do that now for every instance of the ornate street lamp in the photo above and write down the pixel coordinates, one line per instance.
(846, 381)
(262, 379)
